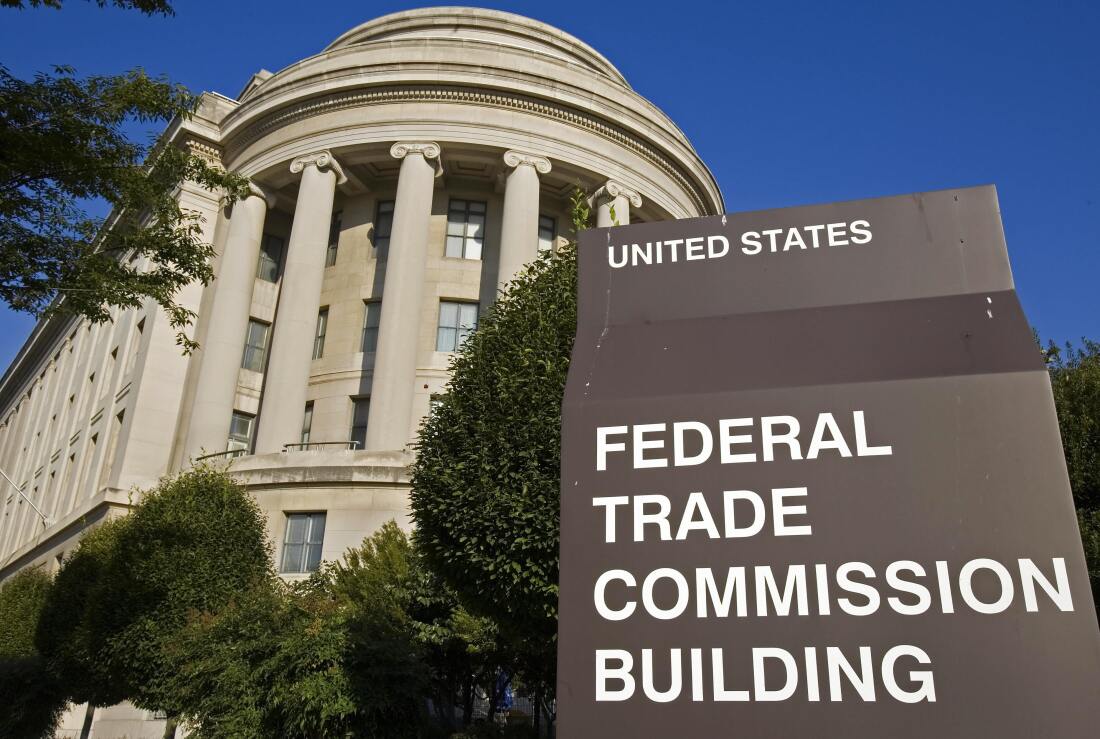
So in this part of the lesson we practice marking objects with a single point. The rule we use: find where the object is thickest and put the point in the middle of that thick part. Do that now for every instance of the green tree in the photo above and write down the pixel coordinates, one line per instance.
(31, 696)
(192, 544)
(62, 145)
(72, 650)
(403, 616)
(21, 599)
(1075, 380)
(486, 478)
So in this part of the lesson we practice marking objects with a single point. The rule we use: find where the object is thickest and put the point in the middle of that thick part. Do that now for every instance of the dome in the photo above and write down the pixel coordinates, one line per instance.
(479, 26)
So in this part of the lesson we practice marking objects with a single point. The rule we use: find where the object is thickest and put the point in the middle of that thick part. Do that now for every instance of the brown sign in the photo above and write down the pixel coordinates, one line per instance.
(812, 485)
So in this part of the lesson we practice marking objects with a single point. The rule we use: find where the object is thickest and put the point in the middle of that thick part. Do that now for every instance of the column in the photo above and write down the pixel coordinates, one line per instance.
(392, 387)
(223, 345)
(519, 232)
(287, 376)
(621, 197)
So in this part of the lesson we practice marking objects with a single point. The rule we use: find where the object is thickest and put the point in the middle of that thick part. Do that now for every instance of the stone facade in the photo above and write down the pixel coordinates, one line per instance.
(400, 176)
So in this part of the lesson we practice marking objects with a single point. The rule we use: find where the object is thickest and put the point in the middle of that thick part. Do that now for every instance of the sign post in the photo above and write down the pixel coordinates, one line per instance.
(813, 485)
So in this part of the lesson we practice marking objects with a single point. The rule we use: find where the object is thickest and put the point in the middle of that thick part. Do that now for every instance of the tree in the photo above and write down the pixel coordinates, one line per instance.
(70, 647)
(486, 477)
(1075, 380)
(402, 615)
(62, 144)
(191, 545)
(31, 696)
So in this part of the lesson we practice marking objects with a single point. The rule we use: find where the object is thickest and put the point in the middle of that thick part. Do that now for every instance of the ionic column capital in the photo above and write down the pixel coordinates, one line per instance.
(612, 189)
(427, 149)
(321, 160)
(255, 190)
(514, 158)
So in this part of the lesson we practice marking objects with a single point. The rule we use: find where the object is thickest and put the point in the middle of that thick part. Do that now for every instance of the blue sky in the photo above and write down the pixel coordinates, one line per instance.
(788, 102)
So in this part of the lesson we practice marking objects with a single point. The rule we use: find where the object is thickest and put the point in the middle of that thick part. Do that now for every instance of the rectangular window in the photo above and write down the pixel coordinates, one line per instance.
(333, 238)
(271, 258)
(548, 233)
(307, 421)
(372, 313)
(305, 532)
(255, 345)
(383, 225)
(319, 336)
(360, 409)
(465, 229)
(456, 322)
(240, 432)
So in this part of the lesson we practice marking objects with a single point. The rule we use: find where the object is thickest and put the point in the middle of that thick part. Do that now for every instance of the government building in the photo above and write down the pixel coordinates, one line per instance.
(400, 177)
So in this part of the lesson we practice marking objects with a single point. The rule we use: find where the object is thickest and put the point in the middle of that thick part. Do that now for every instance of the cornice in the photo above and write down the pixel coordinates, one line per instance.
(362, 97)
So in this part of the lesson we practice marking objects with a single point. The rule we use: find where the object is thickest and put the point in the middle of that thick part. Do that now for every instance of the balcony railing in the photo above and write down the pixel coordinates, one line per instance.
(306, 446)
(229, 454)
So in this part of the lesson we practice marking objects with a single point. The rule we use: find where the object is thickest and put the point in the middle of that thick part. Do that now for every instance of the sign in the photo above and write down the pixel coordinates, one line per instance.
(813, 485)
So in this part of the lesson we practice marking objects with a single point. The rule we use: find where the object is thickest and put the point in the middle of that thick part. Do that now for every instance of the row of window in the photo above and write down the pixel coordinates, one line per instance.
(457, 320)
(465, 235)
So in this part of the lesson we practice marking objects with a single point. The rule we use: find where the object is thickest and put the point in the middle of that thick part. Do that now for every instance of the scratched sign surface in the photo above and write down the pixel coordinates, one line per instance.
(812, 484)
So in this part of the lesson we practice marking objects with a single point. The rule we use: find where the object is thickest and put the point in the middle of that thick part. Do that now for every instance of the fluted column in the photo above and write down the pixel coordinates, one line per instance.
(519, 231)
(392, 387)
(223, 345)
(621, 197)
(287, 376)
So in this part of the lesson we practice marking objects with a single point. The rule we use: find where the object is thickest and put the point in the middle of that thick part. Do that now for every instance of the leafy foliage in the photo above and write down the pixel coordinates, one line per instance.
(21, 600)
(31, 697)
(1075, 379)
(486, 478)
(68, 644)
(271, 663)
(149, 7)
(340, 654)
(191, 545)
(61, 145)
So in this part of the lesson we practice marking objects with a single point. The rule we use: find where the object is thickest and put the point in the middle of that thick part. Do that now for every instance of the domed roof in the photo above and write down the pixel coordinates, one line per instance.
(479, 24)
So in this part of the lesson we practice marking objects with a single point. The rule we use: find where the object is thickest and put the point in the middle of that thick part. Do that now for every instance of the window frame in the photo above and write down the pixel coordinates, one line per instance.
(467, 208)
(247, 442)
(262, 360)
(265, 259)
(461, 332)
(319, 332)
(333, 247)
(307, 422)
(367, 306)
(311, 544)
(356, 402)
(381, 241)
(553, 229)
